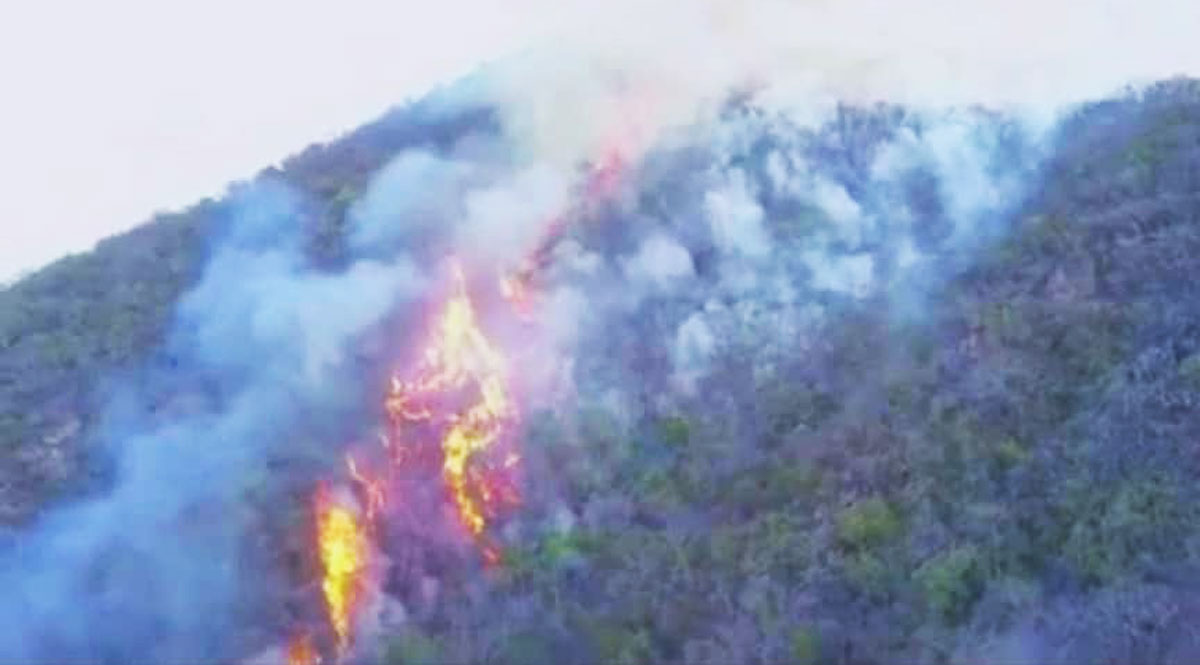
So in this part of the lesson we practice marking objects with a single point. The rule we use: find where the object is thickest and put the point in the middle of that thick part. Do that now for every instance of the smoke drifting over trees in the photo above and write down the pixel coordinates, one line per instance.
(805, 381)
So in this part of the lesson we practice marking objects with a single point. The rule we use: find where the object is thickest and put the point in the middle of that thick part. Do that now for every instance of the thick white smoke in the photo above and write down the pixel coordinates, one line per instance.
(152, 571)
(731, 225)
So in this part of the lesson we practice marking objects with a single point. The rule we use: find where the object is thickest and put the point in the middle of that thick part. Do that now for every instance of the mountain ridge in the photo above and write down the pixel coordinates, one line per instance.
(940, 488)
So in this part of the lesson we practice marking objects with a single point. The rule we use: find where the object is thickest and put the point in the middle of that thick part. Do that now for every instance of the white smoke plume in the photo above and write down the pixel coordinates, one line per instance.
(152, 571)
(746, 205)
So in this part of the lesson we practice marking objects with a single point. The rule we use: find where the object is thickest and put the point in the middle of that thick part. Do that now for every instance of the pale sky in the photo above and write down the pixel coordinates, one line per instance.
(113, 109)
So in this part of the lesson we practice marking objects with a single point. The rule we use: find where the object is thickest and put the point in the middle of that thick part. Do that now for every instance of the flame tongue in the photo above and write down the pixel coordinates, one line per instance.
(460, 388)
(459, 396)
(300, 651)
(343, 550)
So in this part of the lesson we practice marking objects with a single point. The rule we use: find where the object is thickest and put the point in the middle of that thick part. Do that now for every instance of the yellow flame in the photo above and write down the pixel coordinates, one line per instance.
(460, 363)
(343, 550)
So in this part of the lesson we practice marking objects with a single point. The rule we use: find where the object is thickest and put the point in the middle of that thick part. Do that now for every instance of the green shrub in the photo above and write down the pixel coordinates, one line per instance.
(413, 647)
(546, 557)
(1189, 370)
(869, 574)
(784, 407)
(13, 430)
(773, 485)
(868, 524)
(790, 480)
(659, 489)
(559, 547)
(1010, 453)
(774, 544)
(805, 645)
(599, 429)
(1091, 343)
(904, 396)
(950, 582)
(674, 432)
(1109, 534)
(1006, 323)
(527, 648)
(621, 644)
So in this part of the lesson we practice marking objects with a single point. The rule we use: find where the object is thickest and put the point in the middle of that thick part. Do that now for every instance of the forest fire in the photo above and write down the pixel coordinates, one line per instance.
(371, 488)
(300, 651)
(454, 411)
(452, 416)
(343, 549)
(460, 389)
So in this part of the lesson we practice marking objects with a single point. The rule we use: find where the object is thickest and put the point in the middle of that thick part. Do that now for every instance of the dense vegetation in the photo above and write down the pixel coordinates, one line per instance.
(68, 329)
(1009, 477)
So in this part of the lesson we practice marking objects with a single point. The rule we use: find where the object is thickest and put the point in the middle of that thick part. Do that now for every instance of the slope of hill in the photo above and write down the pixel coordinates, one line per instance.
(995, 465)
(71, 325)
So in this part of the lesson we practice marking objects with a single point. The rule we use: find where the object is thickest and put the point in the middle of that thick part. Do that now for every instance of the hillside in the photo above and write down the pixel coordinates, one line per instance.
(990, 457)
(70, 326)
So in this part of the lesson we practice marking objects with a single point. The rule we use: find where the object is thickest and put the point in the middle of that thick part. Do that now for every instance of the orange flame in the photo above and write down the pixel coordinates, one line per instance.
(300, 651)
(461, 386)
(518, 285)
(343, 549)
(371, 489)
(460, 390)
